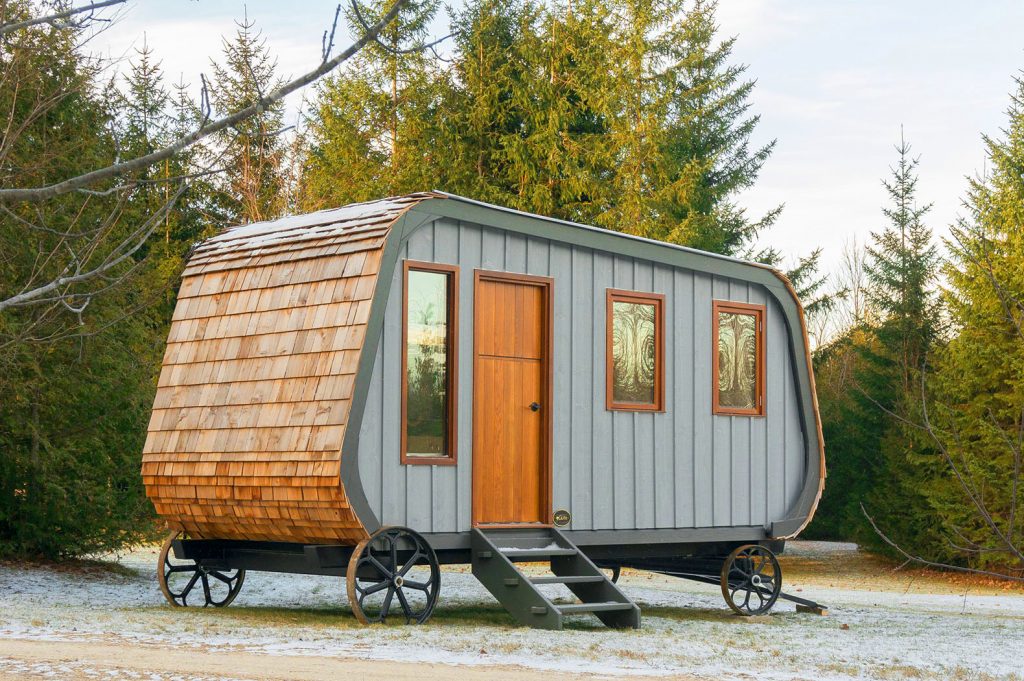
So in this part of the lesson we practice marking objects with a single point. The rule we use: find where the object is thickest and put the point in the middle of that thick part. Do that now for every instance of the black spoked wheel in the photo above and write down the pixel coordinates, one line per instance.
(185, 583)
(393, 573)
(751, 580)
(615, 572)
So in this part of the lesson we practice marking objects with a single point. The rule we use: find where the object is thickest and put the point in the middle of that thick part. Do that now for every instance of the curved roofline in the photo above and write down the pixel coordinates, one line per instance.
(438, 204)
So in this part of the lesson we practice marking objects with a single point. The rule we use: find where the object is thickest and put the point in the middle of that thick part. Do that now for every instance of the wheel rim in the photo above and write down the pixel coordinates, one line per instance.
(185, 583)
(393, 573)
(751, 580)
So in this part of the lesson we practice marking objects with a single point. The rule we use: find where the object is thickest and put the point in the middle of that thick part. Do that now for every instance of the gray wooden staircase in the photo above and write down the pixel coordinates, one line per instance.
(497, 553)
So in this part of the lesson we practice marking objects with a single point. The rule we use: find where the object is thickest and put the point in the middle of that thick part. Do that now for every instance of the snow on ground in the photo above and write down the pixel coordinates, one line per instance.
(879, 626)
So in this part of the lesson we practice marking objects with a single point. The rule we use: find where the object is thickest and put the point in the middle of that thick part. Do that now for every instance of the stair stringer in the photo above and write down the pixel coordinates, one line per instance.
(591, 592)
(516, 593)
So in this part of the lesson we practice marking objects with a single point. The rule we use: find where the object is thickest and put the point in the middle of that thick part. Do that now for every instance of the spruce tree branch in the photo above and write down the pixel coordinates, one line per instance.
(967, 486)
(1006, 299)
(931, 563)
(57, 16)
(208, 128)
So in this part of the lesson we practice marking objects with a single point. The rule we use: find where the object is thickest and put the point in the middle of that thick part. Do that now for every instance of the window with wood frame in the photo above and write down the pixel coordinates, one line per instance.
(739, 358)
(635, 352)
(429, 362)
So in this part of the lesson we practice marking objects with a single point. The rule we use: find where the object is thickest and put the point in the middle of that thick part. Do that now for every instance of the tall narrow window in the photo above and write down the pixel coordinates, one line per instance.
(739, 358)
(429, 369)
(635, 352)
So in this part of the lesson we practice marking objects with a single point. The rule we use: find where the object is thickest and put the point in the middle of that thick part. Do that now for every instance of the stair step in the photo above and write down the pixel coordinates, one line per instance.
(593, 607)
(513, 554)
(568, 579)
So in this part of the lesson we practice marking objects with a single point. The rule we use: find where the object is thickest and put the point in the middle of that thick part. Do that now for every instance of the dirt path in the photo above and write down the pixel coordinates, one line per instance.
(20, 659)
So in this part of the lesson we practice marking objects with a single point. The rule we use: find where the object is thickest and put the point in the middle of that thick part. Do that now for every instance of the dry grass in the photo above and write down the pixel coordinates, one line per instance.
(863, 571)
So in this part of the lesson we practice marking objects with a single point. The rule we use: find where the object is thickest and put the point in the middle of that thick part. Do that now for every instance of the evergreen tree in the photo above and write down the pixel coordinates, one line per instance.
(561, 158)
(977, 410)
(76, 392)
(251, 152)
(901, 270)
(622, 113)
(484, 106)
(370, 132)
(878, 456)
(646, 32)
(708, 142)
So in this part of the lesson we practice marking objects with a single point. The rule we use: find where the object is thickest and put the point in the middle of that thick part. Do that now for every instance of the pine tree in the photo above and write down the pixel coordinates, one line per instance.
(879, 457)
(646, 30)
(901, 271)
(532, 106)
(484, 104)
(708, 146)
(75, 393)
(371, 128)
(251, 153)
(977, 405)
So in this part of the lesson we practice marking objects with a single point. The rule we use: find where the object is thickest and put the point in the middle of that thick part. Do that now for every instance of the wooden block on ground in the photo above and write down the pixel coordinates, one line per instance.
(812, 610)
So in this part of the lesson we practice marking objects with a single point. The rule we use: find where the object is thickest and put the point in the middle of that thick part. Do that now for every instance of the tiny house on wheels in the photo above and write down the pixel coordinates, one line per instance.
(376, 390)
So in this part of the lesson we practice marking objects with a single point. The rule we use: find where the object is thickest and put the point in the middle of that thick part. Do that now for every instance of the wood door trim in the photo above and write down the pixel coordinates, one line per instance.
(548, 285)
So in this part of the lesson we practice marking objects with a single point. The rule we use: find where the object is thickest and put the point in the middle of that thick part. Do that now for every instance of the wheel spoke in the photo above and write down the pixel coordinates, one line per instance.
(385, 608)
(419, 586)
(380, 567)
(746, 600)
(180, 568)
(378, 586)
(394, 554)
(226, 580)
(409, 564)
(404, 603)
(188, 587)
(206, 588)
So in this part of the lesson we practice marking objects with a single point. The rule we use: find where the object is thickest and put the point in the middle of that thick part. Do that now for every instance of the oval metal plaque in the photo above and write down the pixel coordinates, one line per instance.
(562, 517)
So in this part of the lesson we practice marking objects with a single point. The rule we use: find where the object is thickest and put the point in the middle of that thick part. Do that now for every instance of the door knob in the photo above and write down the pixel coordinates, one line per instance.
(534, 406)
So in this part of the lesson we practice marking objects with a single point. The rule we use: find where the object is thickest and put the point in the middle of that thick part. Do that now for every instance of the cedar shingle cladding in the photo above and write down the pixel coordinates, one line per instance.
(256, 385)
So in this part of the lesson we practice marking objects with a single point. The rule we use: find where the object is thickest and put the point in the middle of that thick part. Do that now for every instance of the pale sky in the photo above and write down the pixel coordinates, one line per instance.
(835, 81)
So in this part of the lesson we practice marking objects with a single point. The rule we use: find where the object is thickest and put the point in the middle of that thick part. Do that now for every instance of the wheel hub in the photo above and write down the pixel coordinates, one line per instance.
(399, 581)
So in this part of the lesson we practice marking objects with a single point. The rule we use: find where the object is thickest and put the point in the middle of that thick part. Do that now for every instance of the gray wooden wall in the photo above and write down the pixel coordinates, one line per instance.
(683, 468)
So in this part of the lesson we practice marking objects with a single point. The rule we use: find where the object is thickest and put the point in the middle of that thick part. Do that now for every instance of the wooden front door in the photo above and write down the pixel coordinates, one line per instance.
(511, 399)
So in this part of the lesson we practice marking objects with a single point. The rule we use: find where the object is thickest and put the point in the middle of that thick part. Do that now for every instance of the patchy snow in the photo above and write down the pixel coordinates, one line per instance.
(897, 631)
(548, 547)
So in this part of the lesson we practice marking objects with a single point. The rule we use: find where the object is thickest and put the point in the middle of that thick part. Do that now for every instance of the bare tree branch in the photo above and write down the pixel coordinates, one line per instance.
(112, 260)
(207, 129)
(931, 563)
(388, 48)
(57, 16)
(327, 43)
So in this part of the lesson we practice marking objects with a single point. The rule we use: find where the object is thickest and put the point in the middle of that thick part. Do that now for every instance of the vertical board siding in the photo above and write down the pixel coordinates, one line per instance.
(612, 470)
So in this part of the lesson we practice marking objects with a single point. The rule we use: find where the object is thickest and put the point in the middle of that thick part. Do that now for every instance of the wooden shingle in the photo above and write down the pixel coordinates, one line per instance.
(254, 395)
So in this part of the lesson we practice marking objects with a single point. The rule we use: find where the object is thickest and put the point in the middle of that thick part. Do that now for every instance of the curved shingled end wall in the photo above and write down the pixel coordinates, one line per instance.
(256, 385)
